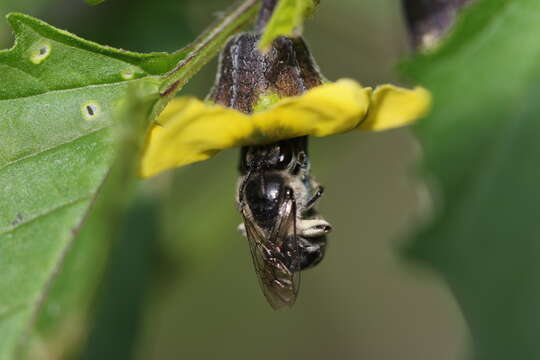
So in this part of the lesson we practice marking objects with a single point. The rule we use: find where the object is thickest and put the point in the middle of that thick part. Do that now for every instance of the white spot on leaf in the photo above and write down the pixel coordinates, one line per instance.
(128, 74)
(40, 52)
(91, 110)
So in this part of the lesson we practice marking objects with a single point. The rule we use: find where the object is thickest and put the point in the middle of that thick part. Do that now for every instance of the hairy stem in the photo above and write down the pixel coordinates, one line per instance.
(267, 9)
(205, 48)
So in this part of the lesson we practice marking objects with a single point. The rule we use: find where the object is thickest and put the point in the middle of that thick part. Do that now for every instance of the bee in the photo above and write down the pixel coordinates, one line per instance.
(276, 196)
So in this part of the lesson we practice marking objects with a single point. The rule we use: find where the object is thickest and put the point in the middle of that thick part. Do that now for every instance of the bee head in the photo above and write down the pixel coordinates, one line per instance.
(283, 155)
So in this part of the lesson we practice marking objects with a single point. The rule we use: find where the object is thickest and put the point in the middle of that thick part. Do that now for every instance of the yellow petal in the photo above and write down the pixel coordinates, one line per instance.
(392, 107)
(328, 109)
(190, 130)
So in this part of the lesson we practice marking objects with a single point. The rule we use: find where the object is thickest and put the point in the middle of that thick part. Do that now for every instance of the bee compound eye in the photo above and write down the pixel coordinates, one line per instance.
(284, 159)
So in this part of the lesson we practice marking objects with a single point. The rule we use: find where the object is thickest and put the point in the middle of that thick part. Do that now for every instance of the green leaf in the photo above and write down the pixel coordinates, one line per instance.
(94, 2)
(287, 17)
(481, 153)
(119, 321)
(63, 318)
(57, 147)
(60, 190)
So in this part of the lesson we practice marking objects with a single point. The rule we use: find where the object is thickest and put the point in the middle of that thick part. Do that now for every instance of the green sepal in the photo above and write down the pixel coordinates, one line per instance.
(288, 16)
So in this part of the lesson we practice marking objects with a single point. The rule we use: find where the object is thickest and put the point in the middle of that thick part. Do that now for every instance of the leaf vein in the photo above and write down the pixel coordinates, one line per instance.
(54, 147)
(40, 81)
(91, 86)
(47, 212)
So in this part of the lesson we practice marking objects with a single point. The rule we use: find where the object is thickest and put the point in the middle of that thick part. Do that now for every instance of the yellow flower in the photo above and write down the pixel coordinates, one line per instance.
(190, 130)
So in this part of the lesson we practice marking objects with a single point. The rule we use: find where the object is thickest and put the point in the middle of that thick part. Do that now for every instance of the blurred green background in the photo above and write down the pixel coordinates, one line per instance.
(182, 283)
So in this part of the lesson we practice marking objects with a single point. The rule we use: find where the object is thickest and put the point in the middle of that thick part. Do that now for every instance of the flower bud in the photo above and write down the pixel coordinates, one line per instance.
(247, 77)
(429, 20)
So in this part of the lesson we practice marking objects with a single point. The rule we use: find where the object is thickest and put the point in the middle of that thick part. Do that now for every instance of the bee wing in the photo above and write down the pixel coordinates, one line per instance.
(275, 256)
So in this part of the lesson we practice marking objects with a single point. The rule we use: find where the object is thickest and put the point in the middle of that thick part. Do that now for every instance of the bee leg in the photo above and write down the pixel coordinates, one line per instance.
(242, 229)
(316, 197)
(311, 251)
(313, 228)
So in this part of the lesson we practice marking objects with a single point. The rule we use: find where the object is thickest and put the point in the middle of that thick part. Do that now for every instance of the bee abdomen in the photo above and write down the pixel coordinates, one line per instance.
(312, 251)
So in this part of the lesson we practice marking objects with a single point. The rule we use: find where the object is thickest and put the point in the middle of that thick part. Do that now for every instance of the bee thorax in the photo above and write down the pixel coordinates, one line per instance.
(264, 193)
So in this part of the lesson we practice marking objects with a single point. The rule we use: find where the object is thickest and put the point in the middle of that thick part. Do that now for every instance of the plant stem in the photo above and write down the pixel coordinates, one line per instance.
(207, 45)
(267, 9)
